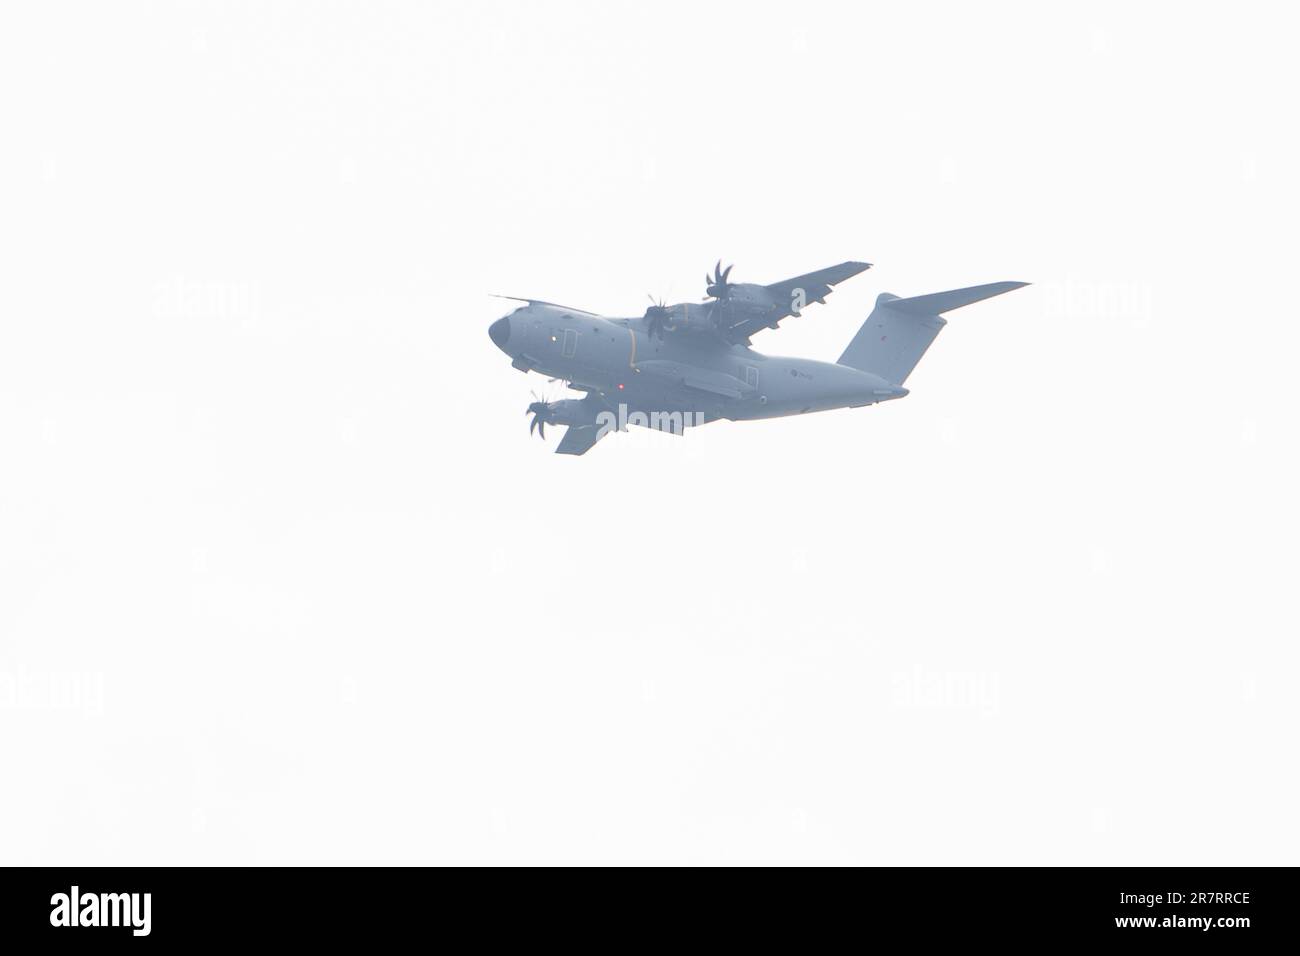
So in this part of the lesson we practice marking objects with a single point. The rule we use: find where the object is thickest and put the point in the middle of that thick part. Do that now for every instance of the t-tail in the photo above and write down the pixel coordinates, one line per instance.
(898, 331)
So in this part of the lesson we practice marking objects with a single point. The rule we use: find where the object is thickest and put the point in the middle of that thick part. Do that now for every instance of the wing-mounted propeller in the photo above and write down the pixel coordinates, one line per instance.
(717, 285)
(542, 412)
(737, 303)
(721, 291)
(657, 317)
(565, 411)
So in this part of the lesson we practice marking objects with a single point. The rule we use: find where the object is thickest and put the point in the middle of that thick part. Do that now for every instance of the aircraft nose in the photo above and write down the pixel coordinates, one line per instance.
(499, 332)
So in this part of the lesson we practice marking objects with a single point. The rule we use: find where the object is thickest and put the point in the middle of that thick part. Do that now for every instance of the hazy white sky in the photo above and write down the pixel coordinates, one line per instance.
(286, 580)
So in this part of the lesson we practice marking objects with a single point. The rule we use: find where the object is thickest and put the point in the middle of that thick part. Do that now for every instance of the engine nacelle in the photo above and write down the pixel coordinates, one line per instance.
(570, 411)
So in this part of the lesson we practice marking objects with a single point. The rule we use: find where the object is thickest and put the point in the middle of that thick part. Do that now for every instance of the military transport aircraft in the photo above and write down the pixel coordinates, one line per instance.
(683, 365)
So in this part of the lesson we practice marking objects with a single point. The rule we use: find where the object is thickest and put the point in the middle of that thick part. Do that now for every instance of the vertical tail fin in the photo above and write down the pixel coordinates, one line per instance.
(898, 331)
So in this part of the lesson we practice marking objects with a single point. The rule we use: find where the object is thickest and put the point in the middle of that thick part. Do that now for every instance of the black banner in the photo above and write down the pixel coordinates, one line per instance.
(1172, 906)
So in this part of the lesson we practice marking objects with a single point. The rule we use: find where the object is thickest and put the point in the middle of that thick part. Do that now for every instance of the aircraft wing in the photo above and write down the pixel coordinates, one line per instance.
(578, 440)
(790, 295)
(549, 305)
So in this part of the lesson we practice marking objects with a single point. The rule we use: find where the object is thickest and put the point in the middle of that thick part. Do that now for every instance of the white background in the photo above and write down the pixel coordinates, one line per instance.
(285, 580)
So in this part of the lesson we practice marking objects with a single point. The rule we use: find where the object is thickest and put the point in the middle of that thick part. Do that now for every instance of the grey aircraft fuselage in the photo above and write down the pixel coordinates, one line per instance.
(683, 371)
(688, 364)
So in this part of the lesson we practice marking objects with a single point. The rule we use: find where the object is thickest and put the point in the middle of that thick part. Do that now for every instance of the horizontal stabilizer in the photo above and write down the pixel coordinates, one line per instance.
(938, 303)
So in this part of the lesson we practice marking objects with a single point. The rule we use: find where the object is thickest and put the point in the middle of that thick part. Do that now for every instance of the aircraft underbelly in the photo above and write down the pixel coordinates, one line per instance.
(648, 375)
